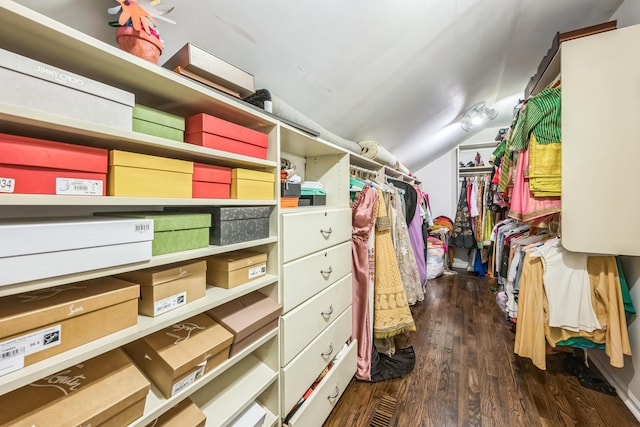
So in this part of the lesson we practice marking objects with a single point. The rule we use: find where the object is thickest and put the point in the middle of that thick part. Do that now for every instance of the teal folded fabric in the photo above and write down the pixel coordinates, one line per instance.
(626, 296)
(312, 192)
(580, 342)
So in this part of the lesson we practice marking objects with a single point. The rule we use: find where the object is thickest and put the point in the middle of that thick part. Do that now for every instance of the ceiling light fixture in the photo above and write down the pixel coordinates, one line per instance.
(477, 115)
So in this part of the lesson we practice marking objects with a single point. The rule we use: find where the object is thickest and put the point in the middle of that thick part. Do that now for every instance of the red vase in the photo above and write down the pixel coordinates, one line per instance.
(139, 43)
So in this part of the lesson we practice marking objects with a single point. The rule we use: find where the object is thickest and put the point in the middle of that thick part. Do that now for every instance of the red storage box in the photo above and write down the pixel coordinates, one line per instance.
(38, 166)
(211, 182)
(208, 131)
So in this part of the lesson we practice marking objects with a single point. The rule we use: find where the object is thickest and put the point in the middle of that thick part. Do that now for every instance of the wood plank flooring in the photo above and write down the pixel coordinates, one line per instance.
(467, 375)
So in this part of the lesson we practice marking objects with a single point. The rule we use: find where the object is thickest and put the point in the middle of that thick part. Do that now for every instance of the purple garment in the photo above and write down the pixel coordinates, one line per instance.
(417, 242)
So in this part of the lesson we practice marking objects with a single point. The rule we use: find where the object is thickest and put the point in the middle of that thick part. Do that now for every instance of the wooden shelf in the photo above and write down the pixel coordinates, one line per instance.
(53, 200)
(146, 325)
(249, 378)
(23, 30)
(301, 144)
(40, 124)
(233, 381)
(111, 271)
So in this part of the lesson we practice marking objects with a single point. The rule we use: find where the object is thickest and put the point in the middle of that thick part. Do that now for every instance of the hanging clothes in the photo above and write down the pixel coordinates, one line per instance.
(362, 220)
(462, 233)
(412, 196)
(405, 255)
(391, 311)
(524, 206)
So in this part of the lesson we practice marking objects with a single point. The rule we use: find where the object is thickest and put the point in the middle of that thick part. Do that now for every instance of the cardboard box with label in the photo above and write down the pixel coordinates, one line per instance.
(213, 132)
(211, 182)
(231, 225)
(174, 231)
(68, 245)
(177, 356)
(39, 166)
(158, 123)
(167, 287)
(141, 175)
(39, 324)
(39, 86)
(252, 185)
(248, 318)
(184, 414)
(235, 268)
(102, 391)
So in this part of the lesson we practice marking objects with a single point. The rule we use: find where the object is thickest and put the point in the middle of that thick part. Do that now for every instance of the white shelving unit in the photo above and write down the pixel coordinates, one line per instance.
(315, 266)
(252, 374)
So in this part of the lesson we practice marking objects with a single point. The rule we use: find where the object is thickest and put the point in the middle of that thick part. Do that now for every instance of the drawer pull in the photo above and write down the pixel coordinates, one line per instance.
(335, 394)
(326, 272)
(328, 313)
(326, 233)
(329, 352)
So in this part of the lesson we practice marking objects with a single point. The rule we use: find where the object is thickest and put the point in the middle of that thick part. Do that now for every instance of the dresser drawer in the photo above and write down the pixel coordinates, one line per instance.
(319, 405)
(305, 277)
(308, 232)
(302, 324)
(298, 375)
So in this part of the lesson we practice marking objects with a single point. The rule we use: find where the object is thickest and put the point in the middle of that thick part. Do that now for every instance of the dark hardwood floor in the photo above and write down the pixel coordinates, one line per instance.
(467, 375)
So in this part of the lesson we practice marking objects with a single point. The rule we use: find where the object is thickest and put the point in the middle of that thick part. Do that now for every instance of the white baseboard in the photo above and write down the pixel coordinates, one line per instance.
(629, 399)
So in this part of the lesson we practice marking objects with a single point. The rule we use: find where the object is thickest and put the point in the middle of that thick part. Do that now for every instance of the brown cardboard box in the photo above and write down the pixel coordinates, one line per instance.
(231, 269)
(170, 286)
(94, 392)
(184, 414)
(40, 324)
(237, 347)
(247, 315)
(176, 356)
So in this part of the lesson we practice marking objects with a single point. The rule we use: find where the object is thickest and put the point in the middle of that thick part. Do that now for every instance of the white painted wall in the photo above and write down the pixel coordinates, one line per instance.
(438, 180)
(627, 380)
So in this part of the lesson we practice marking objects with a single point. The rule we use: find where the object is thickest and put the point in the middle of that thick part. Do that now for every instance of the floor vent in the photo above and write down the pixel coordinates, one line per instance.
(385, 412)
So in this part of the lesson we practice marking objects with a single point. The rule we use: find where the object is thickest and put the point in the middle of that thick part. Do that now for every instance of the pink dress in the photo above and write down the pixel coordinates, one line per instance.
(525, 206)
(362, 222)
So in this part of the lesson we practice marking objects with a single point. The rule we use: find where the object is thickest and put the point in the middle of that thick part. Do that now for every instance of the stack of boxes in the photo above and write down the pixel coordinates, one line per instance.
(109, 389)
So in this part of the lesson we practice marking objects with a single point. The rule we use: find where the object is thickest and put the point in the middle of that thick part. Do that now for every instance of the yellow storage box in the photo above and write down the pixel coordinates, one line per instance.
(141, 175)
(251, 184)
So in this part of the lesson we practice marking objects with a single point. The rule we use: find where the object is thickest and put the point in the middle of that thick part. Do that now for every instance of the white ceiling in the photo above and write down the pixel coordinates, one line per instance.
(398, 72)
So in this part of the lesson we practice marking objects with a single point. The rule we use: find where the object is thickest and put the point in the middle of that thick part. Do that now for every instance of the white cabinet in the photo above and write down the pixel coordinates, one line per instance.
(600, 148)
(251, 375)
(316, 280)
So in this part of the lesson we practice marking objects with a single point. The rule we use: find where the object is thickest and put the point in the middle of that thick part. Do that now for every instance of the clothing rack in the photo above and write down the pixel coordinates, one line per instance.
(477, 170)
(358, 169)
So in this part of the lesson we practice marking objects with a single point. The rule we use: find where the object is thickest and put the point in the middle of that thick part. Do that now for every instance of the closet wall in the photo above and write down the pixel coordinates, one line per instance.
(627, 379)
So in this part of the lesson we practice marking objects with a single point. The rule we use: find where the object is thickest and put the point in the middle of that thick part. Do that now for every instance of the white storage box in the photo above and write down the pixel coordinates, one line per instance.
(39, 86)
(253, 416)
(37, 248)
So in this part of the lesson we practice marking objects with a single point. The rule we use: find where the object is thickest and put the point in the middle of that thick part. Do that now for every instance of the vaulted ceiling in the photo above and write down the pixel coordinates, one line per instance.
(398, 72)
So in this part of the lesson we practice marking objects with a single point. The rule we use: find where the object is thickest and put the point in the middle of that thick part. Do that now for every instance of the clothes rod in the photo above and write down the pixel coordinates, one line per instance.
(354, 168)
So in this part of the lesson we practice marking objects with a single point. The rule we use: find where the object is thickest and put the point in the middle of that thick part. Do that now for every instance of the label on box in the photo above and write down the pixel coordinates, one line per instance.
(169, 303)
(188, 380)
(257, 271)
(78, 187)
(7, 185)
(25, 345)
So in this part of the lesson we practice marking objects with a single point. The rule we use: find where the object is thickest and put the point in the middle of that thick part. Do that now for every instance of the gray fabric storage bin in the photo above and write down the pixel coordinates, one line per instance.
(313, 200)
(231, 225)
(39, 86)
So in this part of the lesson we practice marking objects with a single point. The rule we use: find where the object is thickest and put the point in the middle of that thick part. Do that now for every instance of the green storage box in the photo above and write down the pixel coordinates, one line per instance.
(158, 123)
(172, 231)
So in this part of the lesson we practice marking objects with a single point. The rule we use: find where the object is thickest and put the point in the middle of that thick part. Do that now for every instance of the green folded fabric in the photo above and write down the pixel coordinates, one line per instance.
(312, 192)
